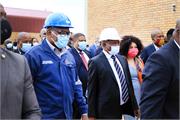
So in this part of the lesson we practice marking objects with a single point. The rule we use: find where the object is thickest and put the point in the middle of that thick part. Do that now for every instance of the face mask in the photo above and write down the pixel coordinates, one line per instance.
(133, 52)
(114, 50)
(9, 45)
(161, 42)
(26, 47)
(35, 44)
(82, 45)
(62, 40)
(6, 30)
(14, 47)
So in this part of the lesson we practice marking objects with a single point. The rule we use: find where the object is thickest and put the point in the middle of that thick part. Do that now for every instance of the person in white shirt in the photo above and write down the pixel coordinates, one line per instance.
(157, 37)
(110, 90)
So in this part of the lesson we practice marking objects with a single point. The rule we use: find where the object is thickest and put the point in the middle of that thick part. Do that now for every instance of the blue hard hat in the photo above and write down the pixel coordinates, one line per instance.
(57, 20)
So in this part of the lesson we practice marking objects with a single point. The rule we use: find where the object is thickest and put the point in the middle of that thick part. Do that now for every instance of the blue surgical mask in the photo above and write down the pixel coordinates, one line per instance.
(114, 50)
(82, 45)
(62, 41)
(26, 47)
(9, 45)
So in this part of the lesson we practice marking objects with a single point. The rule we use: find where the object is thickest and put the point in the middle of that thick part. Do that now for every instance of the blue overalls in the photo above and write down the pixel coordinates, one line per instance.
(55, 82)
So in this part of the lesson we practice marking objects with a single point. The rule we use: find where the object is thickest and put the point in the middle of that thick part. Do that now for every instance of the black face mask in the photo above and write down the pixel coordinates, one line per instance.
(6, 30)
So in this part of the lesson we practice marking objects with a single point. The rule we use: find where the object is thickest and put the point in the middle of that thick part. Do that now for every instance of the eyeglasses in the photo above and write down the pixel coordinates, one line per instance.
(62, 32)
(82, 40)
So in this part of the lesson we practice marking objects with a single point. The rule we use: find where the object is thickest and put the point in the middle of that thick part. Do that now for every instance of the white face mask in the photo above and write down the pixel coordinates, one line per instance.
(35, 43)
(114, 50)
(9, 45)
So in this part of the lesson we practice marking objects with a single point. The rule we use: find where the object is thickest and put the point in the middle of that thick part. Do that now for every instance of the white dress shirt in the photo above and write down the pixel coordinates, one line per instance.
(110, 60)
(156, 47)
(177, 44)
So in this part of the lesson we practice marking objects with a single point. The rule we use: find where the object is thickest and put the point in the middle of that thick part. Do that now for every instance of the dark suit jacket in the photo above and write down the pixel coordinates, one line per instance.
(160, 89)
(103, 90)
(81, 69)
(18, 99)
(147, 51)
(83, 76)
(98, 50)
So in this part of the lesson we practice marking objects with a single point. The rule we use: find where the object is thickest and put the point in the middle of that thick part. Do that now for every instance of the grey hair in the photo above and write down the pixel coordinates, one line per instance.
(77, 35)
(155, 32)
(20, 35)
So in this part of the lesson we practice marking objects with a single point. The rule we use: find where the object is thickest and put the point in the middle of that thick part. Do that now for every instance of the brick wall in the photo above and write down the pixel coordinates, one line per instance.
(131, 17)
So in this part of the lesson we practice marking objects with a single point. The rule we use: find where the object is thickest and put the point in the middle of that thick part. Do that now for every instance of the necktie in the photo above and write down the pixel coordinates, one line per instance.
(122, 80)
(84, 60)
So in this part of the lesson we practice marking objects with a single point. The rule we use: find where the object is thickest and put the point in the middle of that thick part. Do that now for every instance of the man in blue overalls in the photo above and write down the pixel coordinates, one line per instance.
(54, 71)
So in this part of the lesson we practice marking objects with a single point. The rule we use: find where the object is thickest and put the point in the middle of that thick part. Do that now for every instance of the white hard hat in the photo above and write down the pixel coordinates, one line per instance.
(109, 34)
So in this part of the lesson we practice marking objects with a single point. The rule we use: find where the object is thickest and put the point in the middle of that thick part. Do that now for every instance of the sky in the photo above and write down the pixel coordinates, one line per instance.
(74, 9)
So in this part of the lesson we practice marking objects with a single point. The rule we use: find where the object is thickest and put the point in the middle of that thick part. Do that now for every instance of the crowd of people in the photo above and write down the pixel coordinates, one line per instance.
(61, 77)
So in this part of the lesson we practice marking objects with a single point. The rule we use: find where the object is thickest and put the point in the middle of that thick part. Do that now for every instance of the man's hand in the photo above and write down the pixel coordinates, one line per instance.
(84, 117)
(137, 113)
